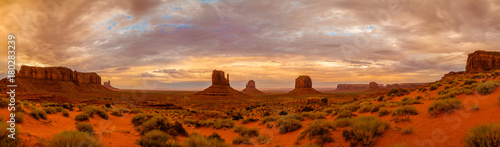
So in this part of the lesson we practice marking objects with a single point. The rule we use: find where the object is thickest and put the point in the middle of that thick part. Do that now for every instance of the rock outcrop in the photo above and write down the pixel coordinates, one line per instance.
(352, 87)
(220, 88)
(250, 88)
(481, 61)
(108, 85)
(373, 85)
(58, 74)
(303, 85)
(31, 79)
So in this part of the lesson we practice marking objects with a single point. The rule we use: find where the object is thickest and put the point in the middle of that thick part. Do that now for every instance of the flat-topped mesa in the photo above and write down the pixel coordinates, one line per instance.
(303, 85)
(219, 79)
(373, 85)
(58, 74)
(482, 61)
(220, 88)
(250, 88)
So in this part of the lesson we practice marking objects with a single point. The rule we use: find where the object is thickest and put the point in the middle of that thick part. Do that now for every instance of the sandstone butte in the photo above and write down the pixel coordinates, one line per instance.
(54, 79)
(108, 85)
(303, 85)
(481, 61)
(250, 88)
(220, 88)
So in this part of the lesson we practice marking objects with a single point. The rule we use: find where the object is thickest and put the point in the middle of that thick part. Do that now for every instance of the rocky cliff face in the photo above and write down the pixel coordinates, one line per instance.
(108, 85)
(218, 78)
(303, 85)
(481, 61)
(220, 88)
(58, 74)
(250, 88)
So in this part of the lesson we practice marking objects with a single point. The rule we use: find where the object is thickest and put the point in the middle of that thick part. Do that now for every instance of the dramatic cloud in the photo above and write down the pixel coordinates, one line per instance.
(177, 43)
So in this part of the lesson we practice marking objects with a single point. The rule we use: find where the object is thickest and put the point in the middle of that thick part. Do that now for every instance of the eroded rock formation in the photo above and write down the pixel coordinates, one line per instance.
(250, 88)
(58, 74)
(220, 88)
(303, 85)
(108, 85)
(373, 85)
(481, 61)
(352, 87)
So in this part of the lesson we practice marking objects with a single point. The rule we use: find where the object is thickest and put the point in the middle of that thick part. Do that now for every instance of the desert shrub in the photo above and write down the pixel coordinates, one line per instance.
(347, 107)
(90, 110)
(397, 92)
(266, 119)
(68, 106)
(444, 105)
(286, 125)
(469, 81)
(102, 113)
(365, 129)
(410, 101)
(318, 129)
(162, 123)
(283, 113)
(141, 118)
(263, 138)
(314, 115)
(49, 110)
(59, 108)
(244, 131)
(237, 117)
(403, 110)
(344, 114)
(342, 122)
(365, 108)
(85, 127)
(215, 136)
(74, 138)
(433, 86)
(241, 140)
(82, 117)
(324, 100)
(38, 113)
(383, 111)
(136, 111)
(407, 130)
(294, 116)
(247, 120)
(307, 109)
(156, 138)
(4, 103)
(197, 140)
(117, 111)
(216, 123)
(377, 106)
(19, 116)
(487, 87)
(484, 135)
(380, 98)
(65, 113)
(6, 141)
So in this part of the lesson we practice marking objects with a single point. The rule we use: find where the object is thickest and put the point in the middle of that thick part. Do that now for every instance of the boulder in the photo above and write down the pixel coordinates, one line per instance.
(481, 61)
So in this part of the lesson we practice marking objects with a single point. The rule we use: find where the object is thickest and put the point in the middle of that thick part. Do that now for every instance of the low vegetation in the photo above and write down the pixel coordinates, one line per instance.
(364, 130)
(488, 87)
(342, 122)
(444, 105)
(74, 138)
(383, 111)
(318, 130)
(38, 113)
(82, 117)
(397, 92)
(157, 138)
(288, 124)
(85, 127)
(404, 110)
(484, 135)
(197, 140)
(6, 141)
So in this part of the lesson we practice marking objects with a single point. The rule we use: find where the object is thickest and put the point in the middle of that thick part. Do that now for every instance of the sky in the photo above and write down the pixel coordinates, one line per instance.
(175, 44)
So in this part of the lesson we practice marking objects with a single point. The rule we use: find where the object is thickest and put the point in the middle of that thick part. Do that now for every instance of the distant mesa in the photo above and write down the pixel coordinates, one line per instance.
(375, 86)
(482, 61)
(220, 88)
(108, 85)
(303, 85)
(31, 79)
(250, 89)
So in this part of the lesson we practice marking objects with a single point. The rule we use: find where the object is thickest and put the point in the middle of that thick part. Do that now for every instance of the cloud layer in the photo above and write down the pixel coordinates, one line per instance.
(175, 44)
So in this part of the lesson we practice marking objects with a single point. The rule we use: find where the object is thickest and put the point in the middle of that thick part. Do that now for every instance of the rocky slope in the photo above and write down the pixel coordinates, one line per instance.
(481, 61)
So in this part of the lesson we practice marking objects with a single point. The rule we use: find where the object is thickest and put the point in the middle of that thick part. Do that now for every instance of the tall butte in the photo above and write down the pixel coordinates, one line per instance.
(250, 89)
(481, 61)
(303, 85)
(220, 88)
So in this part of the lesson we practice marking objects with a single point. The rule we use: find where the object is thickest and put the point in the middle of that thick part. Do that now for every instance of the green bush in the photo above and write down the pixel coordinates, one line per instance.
(469, 82)
(484, 135)
(73, 139)
(216, 123)
(314, 115)
(266, 119)
(319, 130)
(244, 131)
(365, 129)
(365, 108)
(82, 117)
(294, 116)
(487, 87)
(117, 111)
(377, 106)
(344, 114)
(342, 122)
(397, 92)
(140, 118)
(65, 113)
(410, 101)
(403, 110)
(157, 138)
(434, 86)
(90, 110)
(102, 113)
(383, 111)
(286, 125)
(37, 114)
(49, 110)
(247, 120)
(197, 140)
(444, 105)
(85, 127)
(162, 123)
(6, 141)
(215, 136)
(241, 140)
(59, 108)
